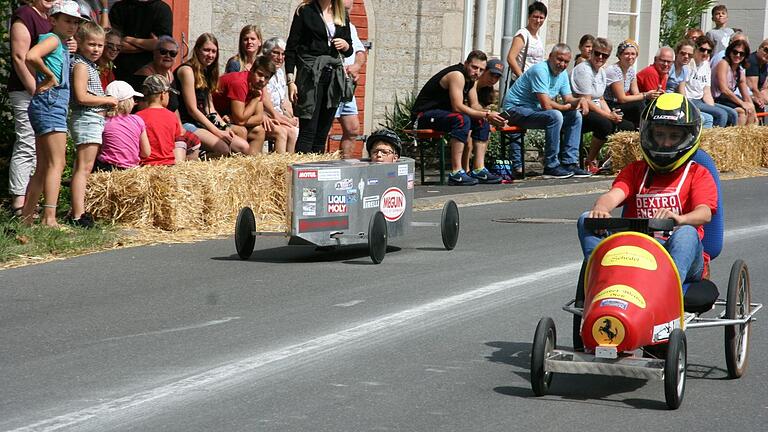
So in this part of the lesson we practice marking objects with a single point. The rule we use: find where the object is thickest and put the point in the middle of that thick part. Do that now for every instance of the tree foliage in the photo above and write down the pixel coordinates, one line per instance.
(679, 15)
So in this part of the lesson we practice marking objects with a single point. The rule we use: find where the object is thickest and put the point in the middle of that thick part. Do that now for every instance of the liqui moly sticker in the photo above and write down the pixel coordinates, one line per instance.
(307, 174)
(392, 204)
(337, 204)
(402, 170)
(329, 174)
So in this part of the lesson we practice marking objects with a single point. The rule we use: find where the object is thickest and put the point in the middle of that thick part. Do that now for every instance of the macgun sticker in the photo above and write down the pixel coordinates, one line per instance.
(393, 204)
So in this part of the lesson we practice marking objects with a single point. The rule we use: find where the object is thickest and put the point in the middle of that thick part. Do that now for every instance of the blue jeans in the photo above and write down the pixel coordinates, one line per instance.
(553, 122)
(722, 115)
(684, 246)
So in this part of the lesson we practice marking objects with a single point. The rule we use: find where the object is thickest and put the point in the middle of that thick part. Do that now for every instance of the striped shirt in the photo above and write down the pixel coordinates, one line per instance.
(94, 84)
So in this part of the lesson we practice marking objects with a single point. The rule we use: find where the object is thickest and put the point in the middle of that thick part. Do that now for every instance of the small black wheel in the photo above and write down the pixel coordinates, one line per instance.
(377, 237)
(543, 344)
(449, 224)
(244, 237)
(578, 342)
(674, 369)
(737, 305)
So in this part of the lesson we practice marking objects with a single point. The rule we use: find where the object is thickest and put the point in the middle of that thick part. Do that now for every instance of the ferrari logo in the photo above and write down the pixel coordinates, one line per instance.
(608, 331)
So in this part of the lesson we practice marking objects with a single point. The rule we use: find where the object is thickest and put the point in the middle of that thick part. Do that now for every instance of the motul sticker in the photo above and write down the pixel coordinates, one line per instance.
(307, 175)
(392, 204)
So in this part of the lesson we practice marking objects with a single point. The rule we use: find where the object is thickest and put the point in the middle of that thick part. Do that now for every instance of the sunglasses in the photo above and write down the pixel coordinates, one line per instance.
(165, 52)
(738, 53)
(114, 47)
(705, 50)
(599, 54)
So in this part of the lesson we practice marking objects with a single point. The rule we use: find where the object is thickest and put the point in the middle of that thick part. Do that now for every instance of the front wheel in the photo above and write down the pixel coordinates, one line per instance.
(737, 305)
(377, 237)
(543, 344)
(244, 237)
(449, 224)
(674, 369)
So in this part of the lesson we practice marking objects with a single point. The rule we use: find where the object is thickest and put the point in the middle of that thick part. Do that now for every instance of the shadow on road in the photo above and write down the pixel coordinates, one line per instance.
(309, 254)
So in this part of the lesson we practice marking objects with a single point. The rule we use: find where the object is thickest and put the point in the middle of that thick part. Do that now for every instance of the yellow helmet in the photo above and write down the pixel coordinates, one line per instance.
(670, 130)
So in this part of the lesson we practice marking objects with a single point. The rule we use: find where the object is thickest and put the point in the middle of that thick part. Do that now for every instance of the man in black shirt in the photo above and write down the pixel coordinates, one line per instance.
(141, 22)
(448, 102)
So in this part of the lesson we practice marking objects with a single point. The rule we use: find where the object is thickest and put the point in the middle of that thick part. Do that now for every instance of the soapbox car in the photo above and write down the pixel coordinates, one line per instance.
(348, 202)
(631, 315)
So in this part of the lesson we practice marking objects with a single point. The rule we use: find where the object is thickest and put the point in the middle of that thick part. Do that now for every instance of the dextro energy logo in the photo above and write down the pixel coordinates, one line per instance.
(392, 204)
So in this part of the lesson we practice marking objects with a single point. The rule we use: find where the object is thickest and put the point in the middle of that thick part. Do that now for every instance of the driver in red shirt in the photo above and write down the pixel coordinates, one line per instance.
(665, 184)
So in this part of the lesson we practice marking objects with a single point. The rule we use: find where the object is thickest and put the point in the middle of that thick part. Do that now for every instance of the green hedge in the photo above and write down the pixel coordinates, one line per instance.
(7, 135)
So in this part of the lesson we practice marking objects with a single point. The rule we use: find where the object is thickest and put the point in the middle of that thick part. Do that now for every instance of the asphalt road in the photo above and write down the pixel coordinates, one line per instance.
(189, 338)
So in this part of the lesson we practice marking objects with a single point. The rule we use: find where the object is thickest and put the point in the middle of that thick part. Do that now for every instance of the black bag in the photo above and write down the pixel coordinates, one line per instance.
(348, 92)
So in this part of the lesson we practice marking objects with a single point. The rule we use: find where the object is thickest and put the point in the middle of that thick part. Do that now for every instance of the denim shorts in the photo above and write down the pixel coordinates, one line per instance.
(347, 109)
(86, 127)
(48, 111)
(190, 127)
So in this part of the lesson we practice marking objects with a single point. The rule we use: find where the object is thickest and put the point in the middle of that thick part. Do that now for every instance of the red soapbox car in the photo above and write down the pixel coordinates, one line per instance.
(631, 316)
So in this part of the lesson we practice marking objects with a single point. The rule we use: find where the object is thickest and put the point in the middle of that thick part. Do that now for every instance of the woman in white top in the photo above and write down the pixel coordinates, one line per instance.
(527, 49)
(698, 82)
(588, 81)
(621, 90)
(276, 103)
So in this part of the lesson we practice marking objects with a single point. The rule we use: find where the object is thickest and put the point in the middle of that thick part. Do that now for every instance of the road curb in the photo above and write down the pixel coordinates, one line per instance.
(513, 194)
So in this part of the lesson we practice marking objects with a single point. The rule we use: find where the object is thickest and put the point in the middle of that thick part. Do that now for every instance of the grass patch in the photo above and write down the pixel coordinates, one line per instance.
(21, 244)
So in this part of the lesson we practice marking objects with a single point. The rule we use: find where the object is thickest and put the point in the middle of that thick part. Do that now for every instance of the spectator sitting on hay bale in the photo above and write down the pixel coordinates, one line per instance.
(163, 129)
(124, 141)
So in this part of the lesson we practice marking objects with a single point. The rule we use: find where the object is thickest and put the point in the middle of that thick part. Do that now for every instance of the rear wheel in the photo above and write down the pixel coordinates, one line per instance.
(674, 369)
(737, 305)
(377, 237)
(244, 237)
(449, 224)
(543, 344)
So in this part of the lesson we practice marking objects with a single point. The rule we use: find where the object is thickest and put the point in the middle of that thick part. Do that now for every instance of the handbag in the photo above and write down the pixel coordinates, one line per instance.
(348, 92)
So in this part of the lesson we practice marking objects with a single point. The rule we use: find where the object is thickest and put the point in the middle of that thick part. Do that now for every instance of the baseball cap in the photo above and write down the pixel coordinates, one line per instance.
(68, 7)
(121, 90)
(155, 84)
(495, 66)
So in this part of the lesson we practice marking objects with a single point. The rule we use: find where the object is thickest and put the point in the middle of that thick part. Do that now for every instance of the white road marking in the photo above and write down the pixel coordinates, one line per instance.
(239, 369)
(349, 303)
(173, 330)
(746, 232)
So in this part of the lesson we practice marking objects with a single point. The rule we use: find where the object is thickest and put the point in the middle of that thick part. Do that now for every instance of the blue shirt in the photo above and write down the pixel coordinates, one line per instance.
(536, 79)
(675, 78)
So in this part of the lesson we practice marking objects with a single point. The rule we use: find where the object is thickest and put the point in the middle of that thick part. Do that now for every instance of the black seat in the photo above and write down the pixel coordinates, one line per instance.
(700, 296)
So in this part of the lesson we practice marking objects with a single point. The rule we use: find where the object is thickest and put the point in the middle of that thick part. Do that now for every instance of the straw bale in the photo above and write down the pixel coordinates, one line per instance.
(734, 149)
(198, 196)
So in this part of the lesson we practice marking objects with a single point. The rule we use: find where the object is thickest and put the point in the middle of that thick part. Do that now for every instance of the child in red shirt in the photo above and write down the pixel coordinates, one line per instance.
(162, 125)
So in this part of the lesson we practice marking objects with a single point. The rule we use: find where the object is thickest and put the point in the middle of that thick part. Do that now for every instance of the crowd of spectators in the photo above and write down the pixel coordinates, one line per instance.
(112, 77)
(716, 71)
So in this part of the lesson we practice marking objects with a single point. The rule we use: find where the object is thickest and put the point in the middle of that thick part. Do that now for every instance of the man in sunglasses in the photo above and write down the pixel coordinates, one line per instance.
(757, 72)
(141, 22)
(654, 77)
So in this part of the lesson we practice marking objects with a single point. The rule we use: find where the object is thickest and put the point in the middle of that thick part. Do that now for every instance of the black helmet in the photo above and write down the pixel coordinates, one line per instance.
(670, 129)
(385, 134)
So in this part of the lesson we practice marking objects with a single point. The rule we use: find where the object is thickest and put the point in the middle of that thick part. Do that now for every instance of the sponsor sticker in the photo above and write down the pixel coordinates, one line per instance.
(352, 196)
(307, 174)
(402, 170)
(309, 209)
(309, 194)
(371, 202)
(621, 292)
(621, 304)
(662, 331)
(334, 223)
(361, 186)
(372, 181)
(392, 174)
(410, 184)
(329, 174)
(629, 256)
(392, 204)
(337, 204)
(343, 184)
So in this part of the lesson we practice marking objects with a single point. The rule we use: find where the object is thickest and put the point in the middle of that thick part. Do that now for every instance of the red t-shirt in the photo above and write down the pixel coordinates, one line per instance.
(232, 86)
(162, 129)
(649, 79)
(666, 191)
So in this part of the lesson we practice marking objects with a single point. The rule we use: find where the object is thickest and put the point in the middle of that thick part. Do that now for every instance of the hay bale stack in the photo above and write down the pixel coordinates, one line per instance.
(734, 149)
(200, 196)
